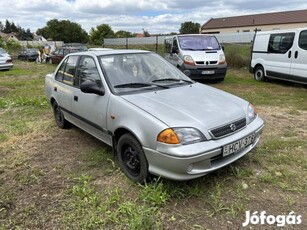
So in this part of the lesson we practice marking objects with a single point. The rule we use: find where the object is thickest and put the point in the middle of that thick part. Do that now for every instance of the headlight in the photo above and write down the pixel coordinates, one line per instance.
(180, 136)
(222, 59)
(187, 59)
(251, 113)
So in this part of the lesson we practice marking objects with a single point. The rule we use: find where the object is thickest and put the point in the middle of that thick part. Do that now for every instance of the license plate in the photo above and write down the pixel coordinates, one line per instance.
(207, 72)
(238, 145)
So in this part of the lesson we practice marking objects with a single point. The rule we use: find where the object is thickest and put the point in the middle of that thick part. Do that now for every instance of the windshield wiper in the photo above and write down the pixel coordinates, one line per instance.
(172, 79)
(138, 85)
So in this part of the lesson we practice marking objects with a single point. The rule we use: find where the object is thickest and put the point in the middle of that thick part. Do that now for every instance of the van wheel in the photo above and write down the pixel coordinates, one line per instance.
(259, 73)
(131, 159)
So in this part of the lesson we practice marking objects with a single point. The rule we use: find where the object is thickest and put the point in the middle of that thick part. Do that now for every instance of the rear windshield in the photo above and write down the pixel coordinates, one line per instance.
(198, 43)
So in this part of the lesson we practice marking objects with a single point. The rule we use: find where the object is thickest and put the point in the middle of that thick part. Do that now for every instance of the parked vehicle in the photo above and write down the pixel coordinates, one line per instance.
(6, 62)
(280, 54)
(157, 120)
(28, 54)
(199, 56)
(57, 56)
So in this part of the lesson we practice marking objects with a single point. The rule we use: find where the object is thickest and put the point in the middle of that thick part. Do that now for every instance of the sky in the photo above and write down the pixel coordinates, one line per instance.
(155, 16)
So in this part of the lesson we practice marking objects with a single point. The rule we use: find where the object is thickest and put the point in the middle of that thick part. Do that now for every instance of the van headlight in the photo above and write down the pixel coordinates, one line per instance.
(187, 59)
(251, 113)
(222, 59)
(182, 136)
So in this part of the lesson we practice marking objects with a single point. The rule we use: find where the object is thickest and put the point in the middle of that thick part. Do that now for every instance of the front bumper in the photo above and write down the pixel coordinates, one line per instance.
(184, 162)
(198, 72)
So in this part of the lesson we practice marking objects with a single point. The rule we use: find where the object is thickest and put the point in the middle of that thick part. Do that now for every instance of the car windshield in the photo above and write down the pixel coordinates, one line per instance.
(140, 71)
(198, 43)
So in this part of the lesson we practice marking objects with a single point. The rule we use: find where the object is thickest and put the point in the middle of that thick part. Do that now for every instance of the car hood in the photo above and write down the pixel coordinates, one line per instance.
(195, 105)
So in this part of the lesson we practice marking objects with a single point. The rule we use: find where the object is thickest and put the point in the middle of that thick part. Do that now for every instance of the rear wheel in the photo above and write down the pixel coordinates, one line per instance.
(59, 117)
(132, 159)
(259, 73)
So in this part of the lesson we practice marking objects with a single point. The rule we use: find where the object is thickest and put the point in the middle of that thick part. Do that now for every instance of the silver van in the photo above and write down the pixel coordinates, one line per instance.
(280, 54)
(199, 56)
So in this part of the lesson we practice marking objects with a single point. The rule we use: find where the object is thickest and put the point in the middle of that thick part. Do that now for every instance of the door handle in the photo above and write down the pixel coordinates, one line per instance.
(289, 54)
(296, 54)
(75, 98)
(55, 89)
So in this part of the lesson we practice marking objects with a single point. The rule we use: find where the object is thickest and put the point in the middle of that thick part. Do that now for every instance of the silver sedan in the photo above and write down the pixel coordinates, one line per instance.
(6, 62)
(157, 120)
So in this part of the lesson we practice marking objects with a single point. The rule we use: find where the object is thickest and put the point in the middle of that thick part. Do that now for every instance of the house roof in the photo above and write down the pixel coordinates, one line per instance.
(298, 16)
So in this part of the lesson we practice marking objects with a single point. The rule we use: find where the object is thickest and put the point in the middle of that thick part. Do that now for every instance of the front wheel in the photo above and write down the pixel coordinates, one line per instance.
(259, 73)
(131, 158)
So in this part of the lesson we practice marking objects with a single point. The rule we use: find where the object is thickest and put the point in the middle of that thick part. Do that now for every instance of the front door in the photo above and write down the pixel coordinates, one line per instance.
(91, 109)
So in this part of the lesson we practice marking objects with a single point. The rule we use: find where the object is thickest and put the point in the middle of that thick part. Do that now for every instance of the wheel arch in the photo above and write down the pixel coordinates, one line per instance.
(118, 133)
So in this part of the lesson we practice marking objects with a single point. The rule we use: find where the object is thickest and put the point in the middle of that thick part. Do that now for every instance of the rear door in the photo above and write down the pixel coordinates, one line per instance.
(279, 57)
(299, 64)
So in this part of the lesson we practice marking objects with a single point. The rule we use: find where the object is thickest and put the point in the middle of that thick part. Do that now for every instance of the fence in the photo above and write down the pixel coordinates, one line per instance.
(159, 40)
(41, 43)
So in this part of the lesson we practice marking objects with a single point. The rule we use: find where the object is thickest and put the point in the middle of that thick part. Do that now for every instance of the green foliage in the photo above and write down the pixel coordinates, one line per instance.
(189, 28)
(12, 46)
(237, 55)
(146, 33)
(20, 32)
(100, 32)
(123, 34)
(63, 30)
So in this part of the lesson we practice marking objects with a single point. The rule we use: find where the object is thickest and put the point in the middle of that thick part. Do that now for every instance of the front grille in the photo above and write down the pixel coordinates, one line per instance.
(206, 62)
(227, 129)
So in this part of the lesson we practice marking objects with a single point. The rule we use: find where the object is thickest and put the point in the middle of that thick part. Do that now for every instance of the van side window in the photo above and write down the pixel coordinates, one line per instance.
(280, 43)
(302, 42)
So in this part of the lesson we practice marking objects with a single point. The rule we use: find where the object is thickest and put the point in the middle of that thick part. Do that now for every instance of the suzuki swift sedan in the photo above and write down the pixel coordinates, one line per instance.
(157, 120)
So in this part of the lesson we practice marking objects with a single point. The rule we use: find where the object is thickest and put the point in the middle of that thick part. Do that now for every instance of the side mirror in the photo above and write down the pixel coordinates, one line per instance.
(92, 87)
(174, 50)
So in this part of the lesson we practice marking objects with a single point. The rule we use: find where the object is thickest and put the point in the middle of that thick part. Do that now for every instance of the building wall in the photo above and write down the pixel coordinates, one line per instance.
(252, 28)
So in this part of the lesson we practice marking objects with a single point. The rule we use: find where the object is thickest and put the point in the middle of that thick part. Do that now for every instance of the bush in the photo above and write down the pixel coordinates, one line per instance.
(12, 47)
(237, 56)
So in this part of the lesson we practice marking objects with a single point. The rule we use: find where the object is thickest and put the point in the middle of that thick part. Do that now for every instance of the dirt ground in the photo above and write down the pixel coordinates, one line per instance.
(35, 184)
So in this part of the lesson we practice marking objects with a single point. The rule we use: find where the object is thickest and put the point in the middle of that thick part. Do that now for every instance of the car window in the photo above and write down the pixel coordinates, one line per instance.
(87, 71)
(303, 40)
(66, 72)
(125, 70)
(280, 43)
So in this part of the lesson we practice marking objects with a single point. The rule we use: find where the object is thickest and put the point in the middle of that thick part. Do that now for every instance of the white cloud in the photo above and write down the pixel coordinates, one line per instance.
(156, 16)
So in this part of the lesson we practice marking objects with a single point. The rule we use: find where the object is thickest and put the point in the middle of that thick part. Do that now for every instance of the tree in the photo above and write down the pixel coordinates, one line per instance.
(123, 34)
(102, 31)
(63, 30)
(189, 28)
(146, 33)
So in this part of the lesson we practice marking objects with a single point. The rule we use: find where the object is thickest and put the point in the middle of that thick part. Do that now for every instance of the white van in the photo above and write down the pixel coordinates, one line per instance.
(280, 54)
(199, 56)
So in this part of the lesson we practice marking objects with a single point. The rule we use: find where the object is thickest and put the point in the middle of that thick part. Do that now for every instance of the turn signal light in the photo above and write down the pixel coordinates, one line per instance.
(168, 136)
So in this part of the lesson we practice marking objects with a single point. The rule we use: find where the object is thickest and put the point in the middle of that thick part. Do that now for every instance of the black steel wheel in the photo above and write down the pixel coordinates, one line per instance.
(59, 117)
(132, 159)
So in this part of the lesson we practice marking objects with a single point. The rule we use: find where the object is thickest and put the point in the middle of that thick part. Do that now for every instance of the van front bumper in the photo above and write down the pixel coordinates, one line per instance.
(199, 72)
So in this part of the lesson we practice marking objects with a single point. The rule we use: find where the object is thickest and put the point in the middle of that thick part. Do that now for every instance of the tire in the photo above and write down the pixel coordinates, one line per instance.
(59, 117)
(131, 158)
(259, 73)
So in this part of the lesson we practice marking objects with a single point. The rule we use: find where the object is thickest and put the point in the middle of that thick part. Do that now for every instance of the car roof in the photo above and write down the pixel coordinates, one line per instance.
(108, 52)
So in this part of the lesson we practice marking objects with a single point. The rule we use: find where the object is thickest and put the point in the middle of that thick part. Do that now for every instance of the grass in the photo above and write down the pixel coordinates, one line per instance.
(59, 179)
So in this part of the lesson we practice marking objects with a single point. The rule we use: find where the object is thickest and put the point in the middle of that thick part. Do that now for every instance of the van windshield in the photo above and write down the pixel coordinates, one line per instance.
(198, 43)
